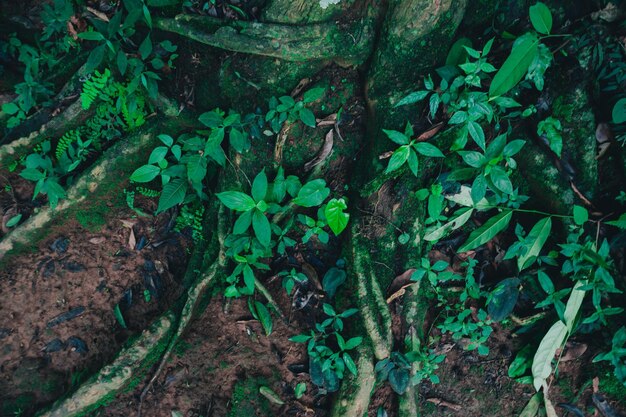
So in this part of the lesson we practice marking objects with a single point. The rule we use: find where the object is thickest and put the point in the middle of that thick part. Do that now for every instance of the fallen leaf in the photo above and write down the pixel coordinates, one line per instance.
(610, 13)
(132, 241)
(444, 403)
(97, 240)
(270, 395)
(573, 351)
(430, 132)
(323, 153)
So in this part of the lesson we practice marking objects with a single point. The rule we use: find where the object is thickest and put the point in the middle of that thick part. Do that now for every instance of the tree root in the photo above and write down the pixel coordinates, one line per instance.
(122, 373)
(348, 44)
(371, 301)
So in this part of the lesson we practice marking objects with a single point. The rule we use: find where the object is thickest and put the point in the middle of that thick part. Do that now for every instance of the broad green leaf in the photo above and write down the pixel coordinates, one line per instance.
(264, 317)
(32, 174)
(333, 278)
(211, 119)
(433, 235)
(515, 66)
(10, 108)
(581, 215)
(307, 117)
(479, 189)
(428, 149)
(521, 363)
(236, 200)
(620, 223)
(574, 302)
(312, 194)
(270, 395)
(166, 139)
(196, 168)
(542, 361)
(476, 132)
(157, 155)
(398, 137)
(413, 162)
(243, 222)
(487, 231)
(412, 98)
(259, 186)
(335, 216)
(239, 140)
(95, 58)
(532, 407)
(262, 228)
(541, 18)
(313, 94)
(347, 359)
(398, 158)
(513, 147)
(458, 54)
(399, 380)
(503, 298)
(145, 173)
(619, 111)
(501, 180)
(145, 49)
(473, 158)
(91, 36)
(537, 238)
(173, 193)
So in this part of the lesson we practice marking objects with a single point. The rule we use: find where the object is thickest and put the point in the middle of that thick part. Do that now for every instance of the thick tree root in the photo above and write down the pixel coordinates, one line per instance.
(355, 394)
(370, 300)
(347, 45)
(124, 372)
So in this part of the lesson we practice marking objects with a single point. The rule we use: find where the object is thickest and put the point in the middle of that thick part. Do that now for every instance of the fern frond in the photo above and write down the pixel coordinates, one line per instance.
(134, 115)
(66, 140)
(148, 192)
(94, 87)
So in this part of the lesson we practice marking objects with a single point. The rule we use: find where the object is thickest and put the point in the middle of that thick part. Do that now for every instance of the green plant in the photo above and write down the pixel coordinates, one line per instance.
(286, 109)
(191, 217)
(397, 369)
(329, 355)
(617, 355)
(290, 278)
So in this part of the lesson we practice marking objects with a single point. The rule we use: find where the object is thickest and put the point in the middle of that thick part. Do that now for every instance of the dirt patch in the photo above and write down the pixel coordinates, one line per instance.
(57, 321)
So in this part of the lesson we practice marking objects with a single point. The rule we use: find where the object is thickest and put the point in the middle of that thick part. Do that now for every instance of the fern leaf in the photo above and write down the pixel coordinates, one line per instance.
(94, 87)
(66, 140)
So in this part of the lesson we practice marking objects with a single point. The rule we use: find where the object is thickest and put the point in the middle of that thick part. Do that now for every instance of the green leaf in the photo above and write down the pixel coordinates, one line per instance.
(532, 407)
(259, 186)
(10, 108)
(333, 278)
(32, 174)
(347, 359)
(412, 98)
(398, 137)
(211, 119)
(458, 54)
(157, 155)
(312, 194)
(515, 66)
(145, 49)
(581, 215)
(503, 298)
(118, 316)
(536, 238)
(501, 180)
(513, 147)
(398, 158)
(428, 149)
(146, 16)
(262, 228)
(299, 390)
(166, 139)
(196, 168)
(542, 361)
(95, 58)
(145, 173)
(265, 317)
(487, 231)
(335, 216)
(173, 193)
(477, 133)
(413, 162)
(399, 380)
(239, 140)
(307, 117)
(270, 395)
(122, 62)
(435, 234)
(91, 36)
(14, 220)
(313, 94)
(236, 200)
(473, 158)
(619, 111)
(541, 18)
(620, 223)
(574, 302)
(243, 222)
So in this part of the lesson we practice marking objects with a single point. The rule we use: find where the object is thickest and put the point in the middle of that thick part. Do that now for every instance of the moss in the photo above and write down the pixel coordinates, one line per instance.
(246, 400)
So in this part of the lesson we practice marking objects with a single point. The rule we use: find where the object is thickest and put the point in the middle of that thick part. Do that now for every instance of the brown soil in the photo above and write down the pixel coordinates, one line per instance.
(56, 316)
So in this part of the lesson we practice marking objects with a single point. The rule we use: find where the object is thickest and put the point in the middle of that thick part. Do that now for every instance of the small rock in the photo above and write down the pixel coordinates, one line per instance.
(60, 245)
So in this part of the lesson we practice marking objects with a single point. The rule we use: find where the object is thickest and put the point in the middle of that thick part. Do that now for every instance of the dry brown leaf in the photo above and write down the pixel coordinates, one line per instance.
(98, 14)
(573, 351)
(610, 13)
(97, 240)
(132, 241)
(321, 156)
(430, 132)
(444, 403)
(128, 223)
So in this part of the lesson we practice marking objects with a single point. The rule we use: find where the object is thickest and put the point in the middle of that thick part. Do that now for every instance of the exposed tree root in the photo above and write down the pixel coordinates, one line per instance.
(370, 300)
(356, 391)
(348, 44)
(122, 373)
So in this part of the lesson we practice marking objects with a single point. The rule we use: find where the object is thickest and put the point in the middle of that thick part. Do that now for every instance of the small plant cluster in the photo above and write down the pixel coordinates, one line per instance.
(329, 355)
(481, 183)
(53, 164)
(115, 45)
